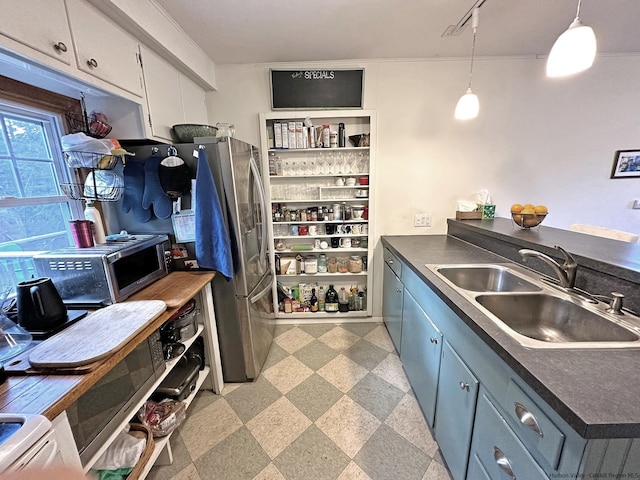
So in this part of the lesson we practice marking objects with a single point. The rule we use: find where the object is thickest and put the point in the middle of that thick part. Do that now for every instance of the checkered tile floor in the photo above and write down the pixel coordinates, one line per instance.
(332, 402)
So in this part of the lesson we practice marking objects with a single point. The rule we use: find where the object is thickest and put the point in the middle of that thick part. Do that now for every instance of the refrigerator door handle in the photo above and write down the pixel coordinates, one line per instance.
(261, 294)
(263, 205)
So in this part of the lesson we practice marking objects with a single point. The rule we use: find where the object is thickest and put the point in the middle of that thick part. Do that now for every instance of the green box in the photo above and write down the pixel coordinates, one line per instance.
(488, 212)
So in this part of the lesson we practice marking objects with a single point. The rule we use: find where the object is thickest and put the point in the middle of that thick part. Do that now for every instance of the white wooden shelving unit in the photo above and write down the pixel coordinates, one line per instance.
(310, 178)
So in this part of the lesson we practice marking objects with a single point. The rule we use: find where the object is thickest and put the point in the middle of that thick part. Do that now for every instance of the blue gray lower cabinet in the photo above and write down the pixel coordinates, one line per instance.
(456, 407)
(458, 417)
(392, 298)
(421, 347)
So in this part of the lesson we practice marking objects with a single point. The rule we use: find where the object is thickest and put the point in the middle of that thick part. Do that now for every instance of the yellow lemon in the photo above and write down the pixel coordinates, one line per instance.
(541, 209)
(516, 208)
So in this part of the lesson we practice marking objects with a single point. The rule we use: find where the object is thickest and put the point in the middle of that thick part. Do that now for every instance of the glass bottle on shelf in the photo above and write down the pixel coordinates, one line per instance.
(321, 299)
(343, 300)
(331, 300)
(313, 301)
(322, 263)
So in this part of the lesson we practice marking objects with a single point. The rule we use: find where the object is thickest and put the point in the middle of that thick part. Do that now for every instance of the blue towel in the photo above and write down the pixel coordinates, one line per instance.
(213, 246)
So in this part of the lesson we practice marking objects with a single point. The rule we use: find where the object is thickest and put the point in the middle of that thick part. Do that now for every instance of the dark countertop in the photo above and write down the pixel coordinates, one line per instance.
(595, 391)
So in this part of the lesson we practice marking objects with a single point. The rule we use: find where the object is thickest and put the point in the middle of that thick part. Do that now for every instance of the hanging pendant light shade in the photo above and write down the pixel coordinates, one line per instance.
(574, 50)
(468, 106)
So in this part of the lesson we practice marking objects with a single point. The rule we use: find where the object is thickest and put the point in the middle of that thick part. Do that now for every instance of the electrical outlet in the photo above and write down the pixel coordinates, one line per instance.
(422, 220)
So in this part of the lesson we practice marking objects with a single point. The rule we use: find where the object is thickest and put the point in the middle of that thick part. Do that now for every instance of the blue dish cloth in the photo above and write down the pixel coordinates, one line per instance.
(213, 246)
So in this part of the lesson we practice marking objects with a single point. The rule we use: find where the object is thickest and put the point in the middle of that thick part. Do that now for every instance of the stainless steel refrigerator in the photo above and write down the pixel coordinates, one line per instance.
(243, 306)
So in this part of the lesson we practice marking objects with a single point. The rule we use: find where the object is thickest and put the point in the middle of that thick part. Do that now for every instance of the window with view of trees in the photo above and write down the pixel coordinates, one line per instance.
(34, 212)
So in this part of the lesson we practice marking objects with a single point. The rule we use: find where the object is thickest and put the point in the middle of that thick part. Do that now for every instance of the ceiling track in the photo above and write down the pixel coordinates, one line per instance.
(453, 30)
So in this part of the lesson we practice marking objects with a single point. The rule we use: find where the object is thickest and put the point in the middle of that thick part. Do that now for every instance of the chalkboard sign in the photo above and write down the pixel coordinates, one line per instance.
(316, 89)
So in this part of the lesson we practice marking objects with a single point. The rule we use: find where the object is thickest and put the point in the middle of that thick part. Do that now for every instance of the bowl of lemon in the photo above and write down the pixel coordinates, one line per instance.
(528, 215)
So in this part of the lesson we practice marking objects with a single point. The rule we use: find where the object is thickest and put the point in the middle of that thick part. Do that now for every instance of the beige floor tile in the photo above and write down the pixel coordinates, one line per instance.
(390, 369)
(436, 472)
(287, 374)
(208, 427)
(348, 425)
(343, 373)
(270, 472)
(230, 387)
(294, 339)
(277, 426)
(408, 421)
(189, 473)
(353, 472)
(380, 338)
(339, 339)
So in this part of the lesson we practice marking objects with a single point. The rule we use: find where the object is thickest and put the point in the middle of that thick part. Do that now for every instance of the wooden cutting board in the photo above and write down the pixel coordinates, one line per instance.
(96, 336)
(175, 288)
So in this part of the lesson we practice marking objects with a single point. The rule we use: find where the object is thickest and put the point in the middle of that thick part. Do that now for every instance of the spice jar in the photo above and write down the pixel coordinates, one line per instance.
(355, 264)
(332, 265)
(343, 265)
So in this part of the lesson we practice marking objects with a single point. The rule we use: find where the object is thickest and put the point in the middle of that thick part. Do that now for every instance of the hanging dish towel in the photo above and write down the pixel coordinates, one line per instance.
(213, 248)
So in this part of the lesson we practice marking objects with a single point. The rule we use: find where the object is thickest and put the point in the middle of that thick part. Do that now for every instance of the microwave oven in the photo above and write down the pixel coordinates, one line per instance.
(98, 412)
(105, 273)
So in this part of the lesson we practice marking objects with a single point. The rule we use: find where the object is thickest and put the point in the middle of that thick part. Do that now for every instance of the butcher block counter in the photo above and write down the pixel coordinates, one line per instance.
(51, 394)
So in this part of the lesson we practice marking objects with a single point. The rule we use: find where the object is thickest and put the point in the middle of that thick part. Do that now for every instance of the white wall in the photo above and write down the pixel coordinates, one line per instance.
(536, 140)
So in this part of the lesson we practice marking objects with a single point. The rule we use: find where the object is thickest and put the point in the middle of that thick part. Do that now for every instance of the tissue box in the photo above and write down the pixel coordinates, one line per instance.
(488, 211)
(476, 215)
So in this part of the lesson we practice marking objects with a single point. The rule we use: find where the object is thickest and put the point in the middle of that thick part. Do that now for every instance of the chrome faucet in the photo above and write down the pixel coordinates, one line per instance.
(566, 272)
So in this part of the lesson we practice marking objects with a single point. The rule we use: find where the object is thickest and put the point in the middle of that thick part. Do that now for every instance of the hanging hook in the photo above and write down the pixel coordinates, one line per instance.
(172, 151)
(155, 150)
(201, 147)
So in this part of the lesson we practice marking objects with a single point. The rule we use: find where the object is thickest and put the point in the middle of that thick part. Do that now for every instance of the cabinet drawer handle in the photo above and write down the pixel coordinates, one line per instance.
(398, 290)
(527, 418)
(390, 262)
(503, 462)
(92, 62)
(60, 47)
(464, 386)
(435, 340)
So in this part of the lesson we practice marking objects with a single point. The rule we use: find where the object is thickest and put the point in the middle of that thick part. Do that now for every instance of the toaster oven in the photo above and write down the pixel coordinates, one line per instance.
(105, 273)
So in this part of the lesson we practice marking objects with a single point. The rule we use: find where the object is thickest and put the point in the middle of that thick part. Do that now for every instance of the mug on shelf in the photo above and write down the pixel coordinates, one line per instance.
(345, 242)
(335, 242)
(331, 228)
(313, 230)
(293, 230)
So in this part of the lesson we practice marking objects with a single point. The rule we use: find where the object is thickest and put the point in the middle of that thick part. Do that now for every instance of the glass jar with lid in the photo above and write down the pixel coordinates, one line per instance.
(332, 265)
(322, 263)
(355, 264)
(343, 264)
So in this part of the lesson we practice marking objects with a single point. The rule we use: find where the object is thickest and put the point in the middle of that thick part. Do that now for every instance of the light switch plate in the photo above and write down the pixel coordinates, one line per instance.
(422, 220)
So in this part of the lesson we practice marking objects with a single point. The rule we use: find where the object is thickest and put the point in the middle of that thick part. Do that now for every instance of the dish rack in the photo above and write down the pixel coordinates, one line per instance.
(98, 185)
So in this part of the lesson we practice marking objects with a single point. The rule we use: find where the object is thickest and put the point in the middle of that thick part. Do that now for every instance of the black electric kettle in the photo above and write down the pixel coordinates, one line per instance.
(39, 305)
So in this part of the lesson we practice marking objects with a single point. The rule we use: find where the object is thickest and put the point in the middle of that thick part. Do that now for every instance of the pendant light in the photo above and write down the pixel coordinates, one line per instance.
(468, 105)
(574, 50)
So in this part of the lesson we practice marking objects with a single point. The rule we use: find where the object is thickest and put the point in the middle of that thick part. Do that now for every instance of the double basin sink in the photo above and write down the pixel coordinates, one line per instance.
(538, 315)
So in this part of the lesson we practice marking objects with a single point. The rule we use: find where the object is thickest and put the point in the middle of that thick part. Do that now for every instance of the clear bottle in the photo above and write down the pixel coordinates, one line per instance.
(272, 163)
(322, 263)
(353, 293)
(331, 303)
(326, 136)
(343, 300)
(321, 299)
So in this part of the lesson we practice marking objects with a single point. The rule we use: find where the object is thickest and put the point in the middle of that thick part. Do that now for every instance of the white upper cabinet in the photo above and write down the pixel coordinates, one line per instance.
(103, 49)
(40, 25)
(172, 98)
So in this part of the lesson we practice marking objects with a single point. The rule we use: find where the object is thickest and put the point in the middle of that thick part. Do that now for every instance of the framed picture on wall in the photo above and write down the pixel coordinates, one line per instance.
(626, 163)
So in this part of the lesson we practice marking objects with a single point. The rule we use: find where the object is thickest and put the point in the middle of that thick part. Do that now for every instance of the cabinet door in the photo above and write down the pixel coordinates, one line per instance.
(420, 355)
(457, 395)
(392, 293)
(194, 102)
(103, 49)
(496, 448)
(39, 24)
(162, 84)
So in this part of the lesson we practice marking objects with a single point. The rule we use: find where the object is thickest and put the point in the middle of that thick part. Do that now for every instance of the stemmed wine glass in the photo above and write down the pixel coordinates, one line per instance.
(340, 162)
(330, 163)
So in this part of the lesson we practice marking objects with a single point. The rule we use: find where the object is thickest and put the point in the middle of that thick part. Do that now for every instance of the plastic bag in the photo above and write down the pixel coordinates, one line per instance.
(162, 418)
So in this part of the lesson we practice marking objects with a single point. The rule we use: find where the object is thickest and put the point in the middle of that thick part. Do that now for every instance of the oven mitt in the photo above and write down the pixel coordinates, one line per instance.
(175, 180)
(153, 195)
(133, 190)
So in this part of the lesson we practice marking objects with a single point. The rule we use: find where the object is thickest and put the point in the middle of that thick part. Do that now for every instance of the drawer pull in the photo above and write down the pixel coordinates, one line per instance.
(464, 386)
(92, 62)
(60, 47)
(433, 340)
(527, 418)
(390, 262)
(398, 290)
(503, 462)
